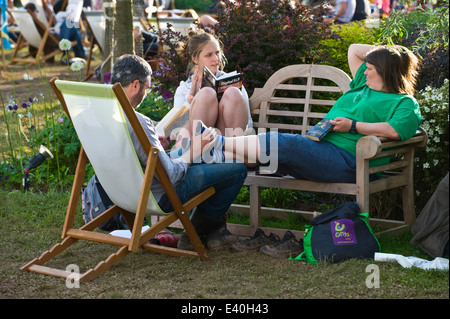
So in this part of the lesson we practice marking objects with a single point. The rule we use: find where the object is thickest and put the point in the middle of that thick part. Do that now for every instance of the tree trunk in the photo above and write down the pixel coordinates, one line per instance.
(109, 10)
(123, 29)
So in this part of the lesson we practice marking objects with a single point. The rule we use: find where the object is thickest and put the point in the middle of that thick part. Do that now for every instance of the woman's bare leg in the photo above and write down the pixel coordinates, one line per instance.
(205, 107)
(232, 117)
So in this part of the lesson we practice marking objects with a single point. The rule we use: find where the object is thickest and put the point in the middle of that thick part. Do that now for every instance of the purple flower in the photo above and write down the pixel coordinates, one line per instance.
(24, 105)
(15, 107)
(107, 78)
(10, 107)
(167, 95)
(30, 99)
(60, 119)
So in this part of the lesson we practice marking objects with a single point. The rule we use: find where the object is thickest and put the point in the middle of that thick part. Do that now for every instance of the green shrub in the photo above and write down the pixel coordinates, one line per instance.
(346, 34)
(425, 32)
(200, 6)
(156, 105)
(261, 37)
(431, 163)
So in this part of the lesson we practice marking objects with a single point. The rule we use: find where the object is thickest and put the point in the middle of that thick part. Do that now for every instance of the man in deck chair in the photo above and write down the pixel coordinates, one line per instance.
(134, 74)
(72, 34)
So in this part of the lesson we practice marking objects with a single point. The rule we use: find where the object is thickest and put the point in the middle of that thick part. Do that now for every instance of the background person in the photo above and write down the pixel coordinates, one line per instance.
(233, 110)
(344, 12)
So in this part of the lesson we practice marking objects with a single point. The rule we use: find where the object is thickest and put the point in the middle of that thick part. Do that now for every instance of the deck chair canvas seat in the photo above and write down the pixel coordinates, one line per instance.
(102, 118)
(95, 21)
(30, 33)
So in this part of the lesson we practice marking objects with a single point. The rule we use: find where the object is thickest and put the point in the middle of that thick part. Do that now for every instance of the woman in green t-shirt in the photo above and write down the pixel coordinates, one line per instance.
(380, 102)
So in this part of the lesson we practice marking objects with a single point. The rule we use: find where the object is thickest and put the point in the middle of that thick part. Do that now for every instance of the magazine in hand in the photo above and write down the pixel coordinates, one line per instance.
(318, 131)
(221, 83)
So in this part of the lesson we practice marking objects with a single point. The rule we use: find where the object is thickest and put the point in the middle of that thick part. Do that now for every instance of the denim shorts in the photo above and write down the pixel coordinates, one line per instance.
(303, 158)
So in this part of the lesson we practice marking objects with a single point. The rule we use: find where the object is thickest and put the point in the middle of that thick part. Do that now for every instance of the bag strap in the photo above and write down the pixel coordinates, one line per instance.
(365, 217)
(307, 254)
(105, 198)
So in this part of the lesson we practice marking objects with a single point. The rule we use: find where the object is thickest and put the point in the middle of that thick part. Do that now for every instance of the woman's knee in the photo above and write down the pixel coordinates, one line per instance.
(232, 94)
(206, 94)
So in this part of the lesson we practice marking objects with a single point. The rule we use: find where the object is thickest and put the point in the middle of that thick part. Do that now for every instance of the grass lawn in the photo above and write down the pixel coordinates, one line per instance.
(31, 223)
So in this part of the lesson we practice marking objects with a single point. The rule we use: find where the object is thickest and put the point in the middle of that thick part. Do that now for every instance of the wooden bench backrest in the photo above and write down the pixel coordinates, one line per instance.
(296, 97)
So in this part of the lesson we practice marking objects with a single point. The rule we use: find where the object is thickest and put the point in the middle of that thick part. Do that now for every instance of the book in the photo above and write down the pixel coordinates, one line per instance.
(175, 118)
(223, 82)
(318, 131)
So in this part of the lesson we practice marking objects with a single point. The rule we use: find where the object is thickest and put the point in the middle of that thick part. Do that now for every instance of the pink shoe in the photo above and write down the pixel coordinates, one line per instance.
(165, 238)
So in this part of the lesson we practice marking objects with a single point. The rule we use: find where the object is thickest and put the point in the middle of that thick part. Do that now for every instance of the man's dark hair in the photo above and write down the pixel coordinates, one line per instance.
(129, 68)
(30, 7)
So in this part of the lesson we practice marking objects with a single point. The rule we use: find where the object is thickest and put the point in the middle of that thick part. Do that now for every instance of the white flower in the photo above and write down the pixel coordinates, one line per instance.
(65, 45)
(77, 66)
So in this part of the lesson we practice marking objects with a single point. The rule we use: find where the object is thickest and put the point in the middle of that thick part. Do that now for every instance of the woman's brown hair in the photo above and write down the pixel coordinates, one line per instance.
(397, 66)
(195, 44)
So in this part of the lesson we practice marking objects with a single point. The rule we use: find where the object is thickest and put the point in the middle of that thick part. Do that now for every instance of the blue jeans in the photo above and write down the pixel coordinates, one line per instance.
(70, 32)
(304, 158)
(227, 179)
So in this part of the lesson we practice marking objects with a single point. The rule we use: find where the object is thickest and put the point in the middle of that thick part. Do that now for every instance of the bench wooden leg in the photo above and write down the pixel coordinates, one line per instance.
(255, 206)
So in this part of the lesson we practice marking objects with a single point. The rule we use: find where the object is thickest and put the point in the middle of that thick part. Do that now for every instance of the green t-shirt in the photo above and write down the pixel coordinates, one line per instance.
(363, 104)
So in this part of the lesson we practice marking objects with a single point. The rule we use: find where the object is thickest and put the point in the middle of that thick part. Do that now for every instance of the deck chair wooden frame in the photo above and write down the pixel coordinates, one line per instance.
(29, 32)
(95, 22)
(123, 113)
(43, 11)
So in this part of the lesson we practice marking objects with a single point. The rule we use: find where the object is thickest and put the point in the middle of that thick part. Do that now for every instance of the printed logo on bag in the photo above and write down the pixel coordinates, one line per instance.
(343, 232)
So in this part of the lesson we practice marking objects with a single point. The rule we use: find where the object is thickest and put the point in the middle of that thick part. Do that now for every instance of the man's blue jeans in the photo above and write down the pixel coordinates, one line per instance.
(70, 32)
(227, 179)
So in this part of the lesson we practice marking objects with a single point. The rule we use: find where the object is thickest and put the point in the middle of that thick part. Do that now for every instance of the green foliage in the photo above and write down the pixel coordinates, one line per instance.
(425, 32)
(60, 137)
(346, 34)
(261, 37)
(200, 6)
(155, 106)
(432, 162)
(424, 29)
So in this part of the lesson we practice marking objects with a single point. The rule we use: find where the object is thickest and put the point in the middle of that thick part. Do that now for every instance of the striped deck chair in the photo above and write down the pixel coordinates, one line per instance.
(102, 117)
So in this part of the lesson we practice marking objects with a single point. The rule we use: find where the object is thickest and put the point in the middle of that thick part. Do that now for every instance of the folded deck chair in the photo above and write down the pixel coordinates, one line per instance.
(95, 21)
(102, 117)
(29, 32)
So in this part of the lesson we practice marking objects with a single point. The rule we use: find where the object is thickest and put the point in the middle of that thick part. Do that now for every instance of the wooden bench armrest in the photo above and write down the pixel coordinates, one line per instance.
(369, 146)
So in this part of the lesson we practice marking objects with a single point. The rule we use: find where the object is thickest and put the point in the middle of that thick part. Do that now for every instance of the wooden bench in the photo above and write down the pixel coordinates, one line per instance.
(294, 99)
